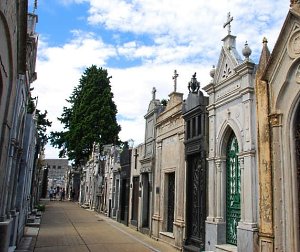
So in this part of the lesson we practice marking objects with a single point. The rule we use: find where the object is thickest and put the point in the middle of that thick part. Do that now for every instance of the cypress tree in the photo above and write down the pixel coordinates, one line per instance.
(90, 118)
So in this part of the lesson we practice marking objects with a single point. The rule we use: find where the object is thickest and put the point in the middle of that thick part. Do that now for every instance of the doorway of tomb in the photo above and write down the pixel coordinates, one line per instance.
(135, 200)
(124, 201)
(233, 190)
(145, 200)
(170, 201)
(196, 201)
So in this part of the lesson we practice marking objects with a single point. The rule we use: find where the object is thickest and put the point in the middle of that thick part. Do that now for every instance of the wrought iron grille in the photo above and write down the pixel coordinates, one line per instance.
(233, 191)
(196, 201)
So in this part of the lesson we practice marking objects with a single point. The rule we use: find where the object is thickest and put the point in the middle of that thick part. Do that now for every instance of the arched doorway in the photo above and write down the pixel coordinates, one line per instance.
(233, 190)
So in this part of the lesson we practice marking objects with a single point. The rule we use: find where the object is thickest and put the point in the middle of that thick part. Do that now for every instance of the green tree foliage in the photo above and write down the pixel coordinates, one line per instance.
(90, 118)
(41, 121)
(42, 124)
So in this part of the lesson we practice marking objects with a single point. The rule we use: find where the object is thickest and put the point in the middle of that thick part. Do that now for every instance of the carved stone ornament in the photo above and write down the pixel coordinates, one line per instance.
(194, 85)
(297, 75)
(294, 44)
(275, 120)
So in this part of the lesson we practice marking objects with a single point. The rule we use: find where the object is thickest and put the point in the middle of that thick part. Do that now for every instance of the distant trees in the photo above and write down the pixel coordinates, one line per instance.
(90, 118)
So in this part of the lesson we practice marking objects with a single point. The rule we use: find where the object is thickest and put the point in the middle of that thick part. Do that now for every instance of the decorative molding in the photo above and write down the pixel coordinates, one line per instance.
(293, 46)
(226, 71)
(193, 149)
(146, 169)
(224, 92)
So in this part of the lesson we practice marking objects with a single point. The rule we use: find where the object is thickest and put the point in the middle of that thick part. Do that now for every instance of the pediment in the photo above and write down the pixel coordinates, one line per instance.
(228, 60)
(152, 105)
(287, 45)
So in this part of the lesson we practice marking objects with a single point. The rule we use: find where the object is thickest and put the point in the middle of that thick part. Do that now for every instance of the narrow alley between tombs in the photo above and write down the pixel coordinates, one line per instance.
(65, 226)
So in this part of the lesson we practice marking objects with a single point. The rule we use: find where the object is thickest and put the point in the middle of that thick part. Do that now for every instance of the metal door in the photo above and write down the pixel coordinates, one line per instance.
(171, 200)
(135, 199)
(233, 191)
(196, 201)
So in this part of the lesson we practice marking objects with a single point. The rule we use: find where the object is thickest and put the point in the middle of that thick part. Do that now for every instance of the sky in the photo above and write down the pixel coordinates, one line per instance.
(140, 43)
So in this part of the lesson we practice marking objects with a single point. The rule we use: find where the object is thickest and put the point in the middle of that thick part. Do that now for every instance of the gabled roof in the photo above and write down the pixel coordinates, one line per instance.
(228, 59)
(291, 24)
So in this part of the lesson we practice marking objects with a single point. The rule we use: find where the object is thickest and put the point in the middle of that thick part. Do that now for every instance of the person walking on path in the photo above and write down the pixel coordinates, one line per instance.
(51, 192)
(62, 194)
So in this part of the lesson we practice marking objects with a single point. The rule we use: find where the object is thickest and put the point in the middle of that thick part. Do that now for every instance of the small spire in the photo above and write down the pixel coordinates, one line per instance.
(265, 41)
(264, 56)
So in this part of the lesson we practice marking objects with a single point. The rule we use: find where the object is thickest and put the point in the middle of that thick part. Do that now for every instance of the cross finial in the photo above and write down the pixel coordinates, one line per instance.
(153, 93)
(175, 79)
(227, 23)
(34, 6)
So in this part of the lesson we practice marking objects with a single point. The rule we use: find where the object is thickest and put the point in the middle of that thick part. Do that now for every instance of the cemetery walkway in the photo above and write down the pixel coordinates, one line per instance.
(66, 227)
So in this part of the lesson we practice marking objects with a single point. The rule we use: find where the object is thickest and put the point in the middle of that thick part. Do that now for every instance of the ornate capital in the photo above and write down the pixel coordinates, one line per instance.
(219, 166)
(241, 160)
(275, 120)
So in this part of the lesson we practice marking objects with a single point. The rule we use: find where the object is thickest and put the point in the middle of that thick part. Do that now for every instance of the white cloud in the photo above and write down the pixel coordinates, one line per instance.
(186, 36)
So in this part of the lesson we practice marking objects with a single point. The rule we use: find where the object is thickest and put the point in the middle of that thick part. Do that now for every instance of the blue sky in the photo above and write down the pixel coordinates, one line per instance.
(141, 43)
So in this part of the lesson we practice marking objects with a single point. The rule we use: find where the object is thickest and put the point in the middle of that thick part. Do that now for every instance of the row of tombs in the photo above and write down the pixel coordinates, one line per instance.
(217, 172)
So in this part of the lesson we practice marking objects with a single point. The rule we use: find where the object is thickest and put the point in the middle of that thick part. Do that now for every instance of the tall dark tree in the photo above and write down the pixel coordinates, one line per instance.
(90, 118)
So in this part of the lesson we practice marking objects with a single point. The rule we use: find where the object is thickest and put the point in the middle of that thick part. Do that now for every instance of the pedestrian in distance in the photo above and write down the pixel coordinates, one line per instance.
(62, 194)
(51, 192)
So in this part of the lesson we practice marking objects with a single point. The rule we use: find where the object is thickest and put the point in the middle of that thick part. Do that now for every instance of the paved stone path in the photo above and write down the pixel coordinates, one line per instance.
(65, 227)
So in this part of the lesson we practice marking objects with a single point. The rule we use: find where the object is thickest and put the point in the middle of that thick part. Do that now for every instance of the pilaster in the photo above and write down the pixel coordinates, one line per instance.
(279, 222)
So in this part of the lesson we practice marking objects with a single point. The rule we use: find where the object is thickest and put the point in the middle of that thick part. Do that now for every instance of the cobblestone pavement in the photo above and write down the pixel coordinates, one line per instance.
(66, 227)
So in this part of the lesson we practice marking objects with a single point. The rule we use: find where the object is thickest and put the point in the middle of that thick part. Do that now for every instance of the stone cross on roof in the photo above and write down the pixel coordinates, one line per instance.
(34, 6)
(153, 93)
(175, 80)
(227, 23)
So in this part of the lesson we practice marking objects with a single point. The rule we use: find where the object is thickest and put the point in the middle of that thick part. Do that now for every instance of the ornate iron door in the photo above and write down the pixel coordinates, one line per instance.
(171, 198)
(233, 191)
(196, 201)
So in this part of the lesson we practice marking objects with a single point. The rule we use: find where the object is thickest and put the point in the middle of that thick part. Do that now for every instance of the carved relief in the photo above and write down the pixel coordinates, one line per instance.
(294, 44)
(275, 120)
(226, 72)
